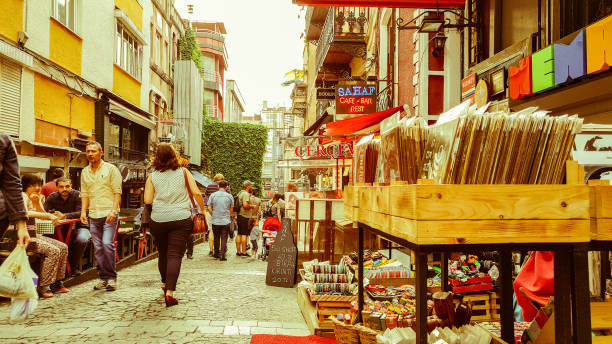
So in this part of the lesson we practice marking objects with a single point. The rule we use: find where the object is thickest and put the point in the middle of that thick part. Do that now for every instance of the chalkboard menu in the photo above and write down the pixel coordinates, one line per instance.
(282, 260)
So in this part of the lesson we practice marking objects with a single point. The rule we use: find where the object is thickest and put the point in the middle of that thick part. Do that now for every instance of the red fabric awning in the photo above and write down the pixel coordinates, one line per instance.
(385, 3)
(355, 124)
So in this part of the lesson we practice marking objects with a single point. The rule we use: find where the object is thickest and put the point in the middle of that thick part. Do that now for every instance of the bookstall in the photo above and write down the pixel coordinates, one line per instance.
(478, 181)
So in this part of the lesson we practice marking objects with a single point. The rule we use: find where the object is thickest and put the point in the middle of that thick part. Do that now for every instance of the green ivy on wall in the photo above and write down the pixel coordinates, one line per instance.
(235, 150)
(190, 50)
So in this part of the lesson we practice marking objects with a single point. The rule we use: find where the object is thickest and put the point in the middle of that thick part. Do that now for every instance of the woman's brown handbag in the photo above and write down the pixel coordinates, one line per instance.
(199, 220)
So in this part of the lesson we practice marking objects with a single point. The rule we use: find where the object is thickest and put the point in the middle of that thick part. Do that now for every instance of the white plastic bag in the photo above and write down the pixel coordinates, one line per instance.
(18, 281)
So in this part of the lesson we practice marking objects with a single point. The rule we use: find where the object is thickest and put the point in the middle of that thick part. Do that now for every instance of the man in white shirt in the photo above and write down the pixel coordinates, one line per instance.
(101, 194)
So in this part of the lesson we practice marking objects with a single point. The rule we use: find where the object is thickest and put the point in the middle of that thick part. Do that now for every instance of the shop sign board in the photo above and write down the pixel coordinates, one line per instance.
(339, 150)
(357, 98)
(589, 53)
(326, 93)
(282, 260)
(468, 86)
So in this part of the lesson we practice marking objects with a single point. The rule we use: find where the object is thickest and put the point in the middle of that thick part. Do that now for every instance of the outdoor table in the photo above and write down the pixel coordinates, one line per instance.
(58, 235)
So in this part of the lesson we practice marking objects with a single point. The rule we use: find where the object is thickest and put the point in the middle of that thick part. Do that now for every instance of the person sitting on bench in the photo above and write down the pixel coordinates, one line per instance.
(55, 253)
(65, 203)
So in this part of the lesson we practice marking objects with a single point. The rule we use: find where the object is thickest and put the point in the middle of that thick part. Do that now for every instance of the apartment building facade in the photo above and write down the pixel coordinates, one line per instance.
(211, 38)
(234, 102)
(73, 71)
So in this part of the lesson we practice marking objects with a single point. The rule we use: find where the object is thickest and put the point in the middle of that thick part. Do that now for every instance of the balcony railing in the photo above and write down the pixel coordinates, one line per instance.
(117, 153)
(342, 23)
(384, 98)
(209, 34)
(212, 80)
(213, 111)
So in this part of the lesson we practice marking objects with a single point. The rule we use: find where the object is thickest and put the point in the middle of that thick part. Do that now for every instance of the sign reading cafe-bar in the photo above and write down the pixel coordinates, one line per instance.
(589, 53)
(357, 98)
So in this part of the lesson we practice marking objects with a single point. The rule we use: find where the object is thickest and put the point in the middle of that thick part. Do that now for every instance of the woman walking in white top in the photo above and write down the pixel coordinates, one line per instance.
(171, 223)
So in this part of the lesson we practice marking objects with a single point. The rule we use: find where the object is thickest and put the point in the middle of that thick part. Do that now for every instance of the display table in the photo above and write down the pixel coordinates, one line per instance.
(504, 218)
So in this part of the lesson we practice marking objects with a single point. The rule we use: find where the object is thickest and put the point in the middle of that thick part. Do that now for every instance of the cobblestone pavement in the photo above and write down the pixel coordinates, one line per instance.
(219, 302)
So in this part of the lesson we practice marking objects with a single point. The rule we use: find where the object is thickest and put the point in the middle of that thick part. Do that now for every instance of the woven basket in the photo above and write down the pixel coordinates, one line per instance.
(345, 334)
(367, 335)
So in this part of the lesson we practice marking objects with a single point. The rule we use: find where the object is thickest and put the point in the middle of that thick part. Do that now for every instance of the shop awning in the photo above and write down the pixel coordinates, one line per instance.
(118, 109)
(201, 179)
(357, 124)
(385, 3)
(46, 145)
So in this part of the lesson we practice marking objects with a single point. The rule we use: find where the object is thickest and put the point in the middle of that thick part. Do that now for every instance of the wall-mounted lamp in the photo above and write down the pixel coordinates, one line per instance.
(438, 44)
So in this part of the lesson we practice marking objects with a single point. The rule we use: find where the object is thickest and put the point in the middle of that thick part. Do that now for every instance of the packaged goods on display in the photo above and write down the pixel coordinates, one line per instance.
(464, 335)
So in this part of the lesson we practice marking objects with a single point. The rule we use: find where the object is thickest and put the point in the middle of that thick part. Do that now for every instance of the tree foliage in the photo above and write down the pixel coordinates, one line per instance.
(190, 50)
(235, 150)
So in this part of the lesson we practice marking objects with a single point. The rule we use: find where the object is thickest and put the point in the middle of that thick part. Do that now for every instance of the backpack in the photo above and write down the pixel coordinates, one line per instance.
(237, 204)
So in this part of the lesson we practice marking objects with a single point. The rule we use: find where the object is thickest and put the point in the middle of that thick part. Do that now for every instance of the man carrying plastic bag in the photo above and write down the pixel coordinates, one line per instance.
(16, 276)
(18, 282)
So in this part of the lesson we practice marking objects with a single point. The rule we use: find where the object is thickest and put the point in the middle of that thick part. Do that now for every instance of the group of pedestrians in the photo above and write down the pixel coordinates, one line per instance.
(23, 201)
(168, 190)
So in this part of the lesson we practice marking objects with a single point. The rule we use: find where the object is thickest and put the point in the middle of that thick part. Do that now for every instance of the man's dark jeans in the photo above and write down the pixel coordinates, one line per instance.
(220, 233)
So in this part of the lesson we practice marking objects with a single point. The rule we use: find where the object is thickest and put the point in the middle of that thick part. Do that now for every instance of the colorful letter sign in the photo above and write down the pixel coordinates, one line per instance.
(599, 46)
(355, 99)
(520, 79)
(569, 60)
(543, 70)
(561, 63)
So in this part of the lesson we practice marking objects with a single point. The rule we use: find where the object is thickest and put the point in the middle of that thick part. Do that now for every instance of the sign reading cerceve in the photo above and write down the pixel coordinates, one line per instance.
(340, 150)
(589, 53)
(355, 99)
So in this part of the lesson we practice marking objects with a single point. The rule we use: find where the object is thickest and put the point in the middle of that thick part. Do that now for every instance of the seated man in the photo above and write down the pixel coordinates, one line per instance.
(65, 203)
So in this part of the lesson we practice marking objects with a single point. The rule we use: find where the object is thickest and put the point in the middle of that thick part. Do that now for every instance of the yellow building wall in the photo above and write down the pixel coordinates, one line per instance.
(54, 103)
(132, 9)
(11, 18)
(126, 86)
(65, 47)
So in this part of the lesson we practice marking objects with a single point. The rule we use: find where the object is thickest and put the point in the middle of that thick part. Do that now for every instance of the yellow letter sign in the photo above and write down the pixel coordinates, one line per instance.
(599, 46)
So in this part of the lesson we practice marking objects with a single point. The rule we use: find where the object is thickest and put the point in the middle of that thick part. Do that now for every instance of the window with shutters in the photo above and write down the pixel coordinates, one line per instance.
(10, 97)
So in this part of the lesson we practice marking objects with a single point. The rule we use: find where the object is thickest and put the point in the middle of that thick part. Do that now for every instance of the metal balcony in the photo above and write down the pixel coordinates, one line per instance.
(344, 34)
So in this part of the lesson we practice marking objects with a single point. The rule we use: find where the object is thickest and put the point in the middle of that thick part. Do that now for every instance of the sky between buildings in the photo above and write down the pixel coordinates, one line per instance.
(263, 43)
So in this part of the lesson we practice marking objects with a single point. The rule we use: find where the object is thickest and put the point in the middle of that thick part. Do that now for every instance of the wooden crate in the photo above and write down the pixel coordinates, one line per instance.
(481, 307)
(495, 304)
(601, 211)
(427, 214)
(327, 308)
(309, 312)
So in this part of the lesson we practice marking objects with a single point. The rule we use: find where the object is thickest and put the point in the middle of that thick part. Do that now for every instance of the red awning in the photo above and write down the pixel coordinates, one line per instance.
(355, 124)
(385, 3)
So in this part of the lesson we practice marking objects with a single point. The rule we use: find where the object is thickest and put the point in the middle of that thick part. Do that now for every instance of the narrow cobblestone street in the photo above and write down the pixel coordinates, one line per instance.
(220, 302)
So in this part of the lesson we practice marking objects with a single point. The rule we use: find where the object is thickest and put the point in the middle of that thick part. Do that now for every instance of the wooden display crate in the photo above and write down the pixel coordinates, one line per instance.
(327, 308)
(429, 214)
(495, 305)
(601, 210)
(481, 307)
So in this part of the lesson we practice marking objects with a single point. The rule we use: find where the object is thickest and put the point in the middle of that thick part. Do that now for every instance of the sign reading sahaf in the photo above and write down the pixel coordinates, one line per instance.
(358, 98)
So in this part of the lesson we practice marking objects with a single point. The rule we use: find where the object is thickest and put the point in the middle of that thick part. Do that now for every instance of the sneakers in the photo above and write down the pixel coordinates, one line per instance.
(58, 287)
(211, 254)
(102, 285)
(106, 285)
(189, 256)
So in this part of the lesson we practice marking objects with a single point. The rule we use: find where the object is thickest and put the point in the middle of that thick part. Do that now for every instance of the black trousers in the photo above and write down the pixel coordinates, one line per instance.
(220, 233)
(171, 238)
